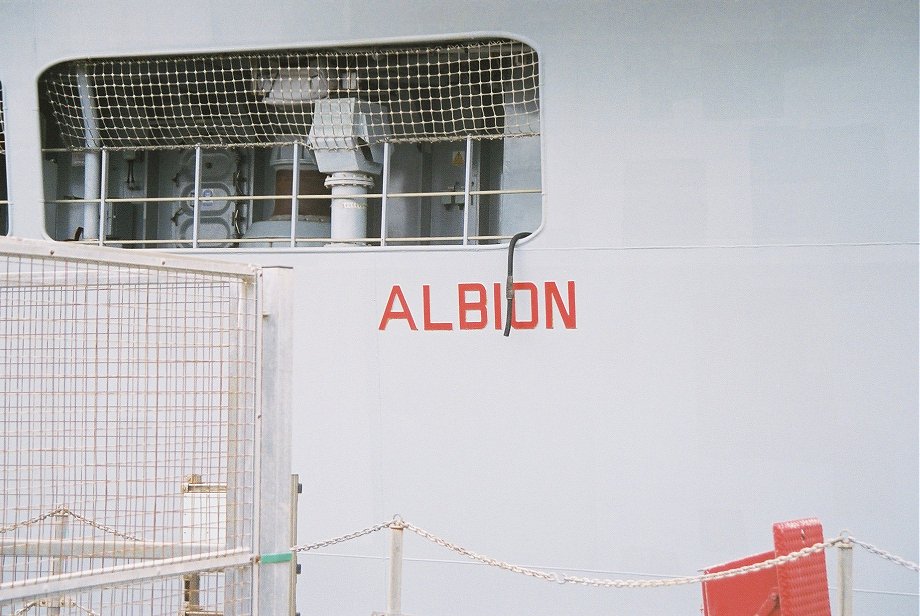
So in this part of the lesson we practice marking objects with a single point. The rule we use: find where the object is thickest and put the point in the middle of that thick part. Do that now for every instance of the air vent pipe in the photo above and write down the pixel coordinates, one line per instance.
(347, 140)
(349, 207)
(92, 159)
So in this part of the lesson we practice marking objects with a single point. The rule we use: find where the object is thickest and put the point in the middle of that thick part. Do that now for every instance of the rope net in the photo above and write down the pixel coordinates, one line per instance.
(479, 89)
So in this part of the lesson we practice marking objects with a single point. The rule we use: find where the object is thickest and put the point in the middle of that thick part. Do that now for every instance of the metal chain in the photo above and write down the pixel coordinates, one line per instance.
(66, 511)
(85, 610)
(25, 608)
(886, 555)
(398, 523)
(35, 520)
(492, 562)
(102, 527)
(705, 577)
(73, 604)
(605, 583)
(343, 538)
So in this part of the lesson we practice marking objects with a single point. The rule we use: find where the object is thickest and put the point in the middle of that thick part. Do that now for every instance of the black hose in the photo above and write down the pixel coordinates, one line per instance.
(509, 284)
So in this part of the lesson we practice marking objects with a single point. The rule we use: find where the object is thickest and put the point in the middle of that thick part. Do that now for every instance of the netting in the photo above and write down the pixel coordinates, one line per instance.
(128, 406)
(480, 89)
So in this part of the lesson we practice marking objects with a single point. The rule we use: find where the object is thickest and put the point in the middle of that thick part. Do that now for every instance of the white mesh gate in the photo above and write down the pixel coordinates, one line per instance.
(129, 387)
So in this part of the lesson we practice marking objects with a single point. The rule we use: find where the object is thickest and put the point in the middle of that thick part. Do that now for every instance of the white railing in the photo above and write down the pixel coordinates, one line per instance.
(467, 194)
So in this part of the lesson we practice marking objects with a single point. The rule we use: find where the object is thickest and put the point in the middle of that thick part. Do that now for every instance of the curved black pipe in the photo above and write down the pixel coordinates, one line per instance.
(509, 283)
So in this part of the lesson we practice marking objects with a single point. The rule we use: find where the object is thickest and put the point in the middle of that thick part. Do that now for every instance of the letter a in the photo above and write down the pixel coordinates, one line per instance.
(389, 313)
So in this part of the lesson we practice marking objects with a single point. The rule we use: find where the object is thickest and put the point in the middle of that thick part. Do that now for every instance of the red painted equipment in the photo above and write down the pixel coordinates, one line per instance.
(798, 588)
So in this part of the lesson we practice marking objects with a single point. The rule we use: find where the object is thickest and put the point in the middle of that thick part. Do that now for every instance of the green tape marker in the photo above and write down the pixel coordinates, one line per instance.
(282, 557)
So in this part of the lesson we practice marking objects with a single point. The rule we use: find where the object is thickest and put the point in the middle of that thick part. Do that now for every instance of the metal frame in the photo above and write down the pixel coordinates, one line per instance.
(267, 293)
(272, 515)
(94, 578)
(83, 252)
(196, 242)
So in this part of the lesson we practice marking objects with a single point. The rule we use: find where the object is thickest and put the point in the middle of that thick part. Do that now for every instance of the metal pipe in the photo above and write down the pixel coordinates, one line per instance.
(349, 205)
(196, 202)
(292, 540)
(845, 579)
(295, 188)
(385, 184)
(103, 179)
(83, 547)
(272, 577)
(57, 565)
(121, 574)
(91, 158)
(444, 193)
(466, 190)
(394, 588)
(91, 185)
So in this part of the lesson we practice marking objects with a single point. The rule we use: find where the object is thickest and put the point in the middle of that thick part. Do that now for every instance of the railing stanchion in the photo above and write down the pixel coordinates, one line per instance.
(845, 578)
(394, 591)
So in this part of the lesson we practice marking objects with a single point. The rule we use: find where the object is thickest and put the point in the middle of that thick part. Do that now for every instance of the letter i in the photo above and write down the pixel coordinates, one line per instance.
(497, 295)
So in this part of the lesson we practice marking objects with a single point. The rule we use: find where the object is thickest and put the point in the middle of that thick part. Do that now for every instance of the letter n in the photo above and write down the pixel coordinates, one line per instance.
(553, 297)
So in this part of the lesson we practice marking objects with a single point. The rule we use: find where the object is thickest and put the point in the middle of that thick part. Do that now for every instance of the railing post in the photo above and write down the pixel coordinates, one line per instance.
(384, 189)
(845, 578)
(103, 191)
(273, 514)
(57, 565)
(295, 192)
(394, 591)
(467, 182)
(196, 201)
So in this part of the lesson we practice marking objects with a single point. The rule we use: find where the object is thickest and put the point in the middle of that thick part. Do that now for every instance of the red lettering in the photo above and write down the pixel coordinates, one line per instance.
(474, 312)
(464, 307)
(553, 297)
(389, 313)
(497, 295)
(426, 305)
(534, 314)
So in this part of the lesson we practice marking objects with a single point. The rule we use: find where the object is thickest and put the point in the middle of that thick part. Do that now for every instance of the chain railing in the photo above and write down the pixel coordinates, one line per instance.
(65, 511)
(350, 536)
(398, 523)
(882, 553)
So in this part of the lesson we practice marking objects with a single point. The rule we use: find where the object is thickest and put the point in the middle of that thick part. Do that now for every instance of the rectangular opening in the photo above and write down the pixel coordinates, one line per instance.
(390, 145)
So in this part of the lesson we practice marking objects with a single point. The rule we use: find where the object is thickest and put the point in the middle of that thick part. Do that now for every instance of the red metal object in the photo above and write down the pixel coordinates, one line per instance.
(743, 595)
(798, 588)
(803, 582)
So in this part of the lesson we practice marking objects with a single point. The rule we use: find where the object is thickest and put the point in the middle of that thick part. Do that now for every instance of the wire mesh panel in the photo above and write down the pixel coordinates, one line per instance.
(159, 597)
(128, 396)
(482, 89)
